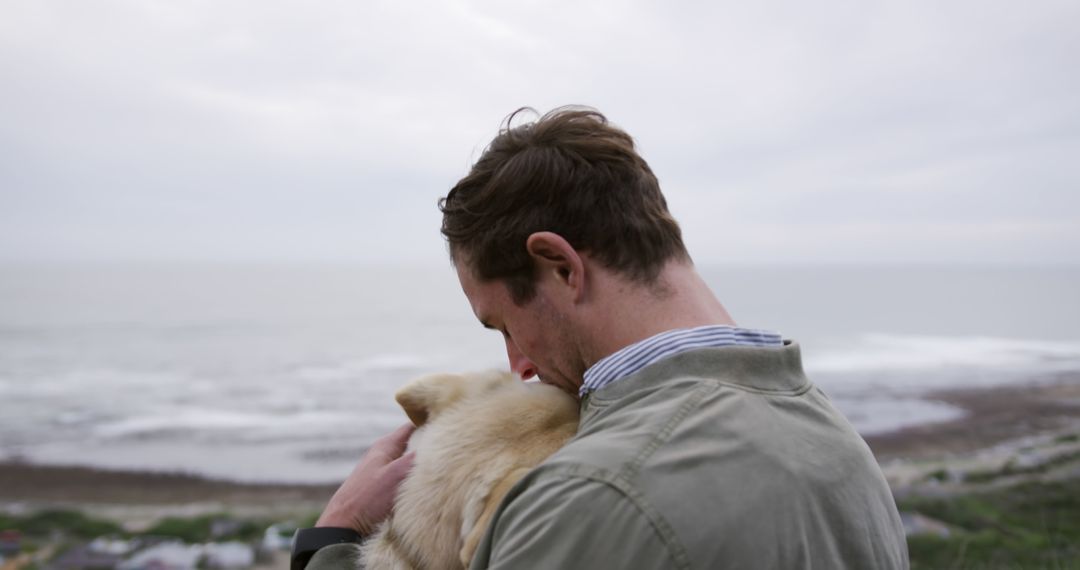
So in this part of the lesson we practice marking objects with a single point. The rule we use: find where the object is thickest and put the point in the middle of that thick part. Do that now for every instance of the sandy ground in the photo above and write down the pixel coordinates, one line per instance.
(137, 500)
(994, 416)
(20, 481)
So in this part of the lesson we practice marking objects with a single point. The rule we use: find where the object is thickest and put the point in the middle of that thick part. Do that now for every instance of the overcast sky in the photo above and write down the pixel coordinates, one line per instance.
(852, 131)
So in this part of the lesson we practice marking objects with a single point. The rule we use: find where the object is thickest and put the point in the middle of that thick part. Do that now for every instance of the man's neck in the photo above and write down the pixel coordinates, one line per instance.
(629, 312)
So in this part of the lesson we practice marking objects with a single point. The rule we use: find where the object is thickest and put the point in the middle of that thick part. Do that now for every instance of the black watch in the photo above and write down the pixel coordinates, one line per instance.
(307, 541)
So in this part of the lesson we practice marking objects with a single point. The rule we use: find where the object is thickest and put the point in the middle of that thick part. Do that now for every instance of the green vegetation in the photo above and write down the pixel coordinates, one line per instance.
(70, 523)
(1012, 468)
(75, 524)
(940, 475)
(61, 530)
(207, 528)
(309, 521)
(1031, 525)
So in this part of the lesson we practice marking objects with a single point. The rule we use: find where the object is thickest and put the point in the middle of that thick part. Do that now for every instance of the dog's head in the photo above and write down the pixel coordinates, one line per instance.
(427, 396)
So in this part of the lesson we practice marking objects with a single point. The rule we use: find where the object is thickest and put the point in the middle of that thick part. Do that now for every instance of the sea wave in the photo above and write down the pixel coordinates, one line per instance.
(892, 352)
(201, 419)
(874, 416)
(394, 364)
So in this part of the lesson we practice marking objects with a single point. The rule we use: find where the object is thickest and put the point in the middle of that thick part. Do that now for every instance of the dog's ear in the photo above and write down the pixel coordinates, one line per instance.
(425, 397)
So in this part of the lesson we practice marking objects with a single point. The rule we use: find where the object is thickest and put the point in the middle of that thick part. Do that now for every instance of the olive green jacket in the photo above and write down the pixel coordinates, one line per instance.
(714, 458)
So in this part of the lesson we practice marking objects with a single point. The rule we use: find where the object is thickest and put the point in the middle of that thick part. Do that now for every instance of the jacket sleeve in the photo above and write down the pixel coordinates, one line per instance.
(336, 557)
(571, 522)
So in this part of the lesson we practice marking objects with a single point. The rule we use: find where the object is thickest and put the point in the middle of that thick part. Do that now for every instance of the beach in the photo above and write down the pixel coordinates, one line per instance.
(87, 486)
(992, 417)
(283, 374)
(247, 393)
(1021, 442)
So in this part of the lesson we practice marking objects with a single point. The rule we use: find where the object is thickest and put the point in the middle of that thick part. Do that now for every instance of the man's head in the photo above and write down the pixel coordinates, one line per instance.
(571, 173)
(545, 200)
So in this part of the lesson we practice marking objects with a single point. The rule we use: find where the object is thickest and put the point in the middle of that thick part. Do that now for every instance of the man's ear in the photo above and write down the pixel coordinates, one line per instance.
(554, 256)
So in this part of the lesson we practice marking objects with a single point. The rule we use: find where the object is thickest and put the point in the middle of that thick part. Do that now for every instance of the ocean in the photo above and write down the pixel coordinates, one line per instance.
(286, 372)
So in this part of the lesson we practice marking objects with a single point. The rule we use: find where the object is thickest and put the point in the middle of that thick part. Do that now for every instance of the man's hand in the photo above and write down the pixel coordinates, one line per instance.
(367, 496)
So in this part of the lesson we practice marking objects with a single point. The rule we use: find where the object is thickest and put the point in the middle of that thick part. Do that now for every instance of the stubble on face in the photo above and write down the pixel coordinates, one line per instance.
(537, 329)
(555, 346)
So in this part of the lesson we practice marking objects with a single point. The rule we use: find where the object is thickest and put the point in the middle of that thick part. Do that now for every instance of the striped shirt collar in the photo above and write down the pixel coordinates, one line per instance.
(634, 357)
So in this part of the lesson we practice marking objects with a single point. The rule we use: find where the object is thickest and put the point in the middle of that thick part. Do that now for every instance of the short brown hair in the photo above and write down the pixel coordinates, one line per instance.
(572, 173)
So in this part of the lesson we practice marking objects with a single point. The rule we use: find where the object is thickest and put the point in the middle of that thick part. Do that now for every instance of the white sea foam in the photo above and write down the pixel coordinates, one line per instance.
(380, 365)
(229, 371)
(206, 420)
(880, 415)
(880, 352)
(398, 361)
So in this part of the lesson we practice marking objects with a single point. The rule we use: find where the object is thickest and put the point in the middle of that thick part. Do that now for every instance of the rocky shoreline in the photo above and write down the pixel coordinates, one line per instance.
(997, 485)
(993, 416)
(998, 422)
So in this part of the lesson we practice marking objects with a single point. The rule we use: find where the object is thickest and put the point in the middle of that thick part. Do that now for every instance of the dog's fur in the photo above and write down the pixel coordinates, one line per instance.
(477, 435)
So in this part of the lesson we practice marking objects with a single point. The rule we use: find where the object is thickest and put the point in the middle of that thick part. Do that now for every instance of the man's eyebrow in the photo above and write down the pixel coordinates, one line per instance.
(490, 326)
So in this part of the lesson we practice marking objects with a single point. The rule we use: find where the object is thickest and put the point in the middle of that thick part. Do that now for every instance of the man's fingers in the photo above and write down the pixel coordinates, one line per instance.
(396, 471)
(400, 467)
(399, 439)
(394, 443)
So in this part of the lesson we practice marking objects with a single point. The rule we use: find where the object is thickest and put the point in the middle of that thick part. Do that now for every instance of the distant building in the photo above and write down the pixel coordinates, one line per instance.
(220, 528)
(10, 542)
(228, 556)
(109, 545)
(85, 557)
(165, 556)
(278, 537)
(916, 524)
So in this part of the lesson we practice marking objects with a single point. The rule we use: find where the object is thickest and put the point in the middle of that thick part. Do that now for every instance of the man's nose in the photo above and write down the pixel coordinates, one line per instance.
(519, 364)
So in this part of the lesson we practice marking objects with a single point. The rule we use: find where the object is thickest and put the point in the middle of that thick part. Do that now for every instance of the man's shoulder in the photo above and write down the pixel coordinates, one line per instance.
(617, 437)
(698, 456)
(578, 515)
(626, 424)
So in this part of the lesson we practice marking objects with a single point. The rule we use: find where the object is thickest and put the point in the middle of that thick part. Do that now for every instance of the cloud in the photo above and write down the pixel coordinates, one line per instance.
(781, 131)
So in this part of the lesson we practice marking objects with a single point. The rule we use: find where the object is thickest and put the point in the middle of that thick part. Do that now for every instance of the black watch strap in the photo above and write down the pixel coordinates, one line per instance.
(307, 541)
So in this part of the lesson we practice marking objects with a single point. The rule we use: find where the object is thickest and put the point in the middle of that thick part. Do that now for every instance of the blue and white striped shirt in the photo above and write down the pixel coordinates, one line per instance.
(634, 357)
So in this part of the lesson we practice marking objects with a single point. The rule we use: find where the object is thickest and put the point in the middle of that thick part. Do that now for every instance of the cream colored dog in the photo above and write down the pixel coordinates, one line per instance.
(476, 436)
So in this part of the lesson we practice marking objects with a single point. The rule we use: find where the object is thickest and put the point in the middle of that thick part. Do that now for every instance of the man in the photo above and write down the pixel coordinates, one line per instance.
(701, 444)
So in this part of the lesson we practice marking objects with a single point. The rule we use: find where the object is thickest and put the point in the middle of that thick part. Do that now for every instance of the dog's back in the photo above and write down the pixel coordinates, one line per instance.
(478, 435)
